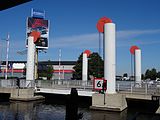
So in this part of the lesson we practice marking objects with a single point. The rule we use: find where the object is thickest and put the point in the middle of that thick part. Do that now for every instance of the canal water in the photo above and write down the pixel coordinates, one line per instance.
(54, 108)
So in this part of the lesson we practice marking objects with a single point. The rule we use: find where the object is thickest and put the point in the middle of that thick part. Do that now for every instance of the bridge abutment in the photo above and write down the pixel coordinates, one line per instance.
(24, 95)
(109, 102)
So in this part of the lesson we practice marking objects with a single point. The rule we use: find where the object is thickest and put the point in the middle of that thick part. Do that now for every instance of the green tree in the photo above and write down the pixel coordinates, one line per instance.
(125, 75)
(46, 71)
(49, 72)
(147, 74)
(142, 76)
(77, 74)
(158, 74)
(95, 66)
(151, 74)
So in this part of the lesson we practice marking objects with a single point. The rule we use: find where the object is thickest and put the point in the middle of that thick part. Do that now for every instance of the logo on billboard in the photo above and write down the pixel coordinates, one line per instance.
(38, 13)
(42, 26)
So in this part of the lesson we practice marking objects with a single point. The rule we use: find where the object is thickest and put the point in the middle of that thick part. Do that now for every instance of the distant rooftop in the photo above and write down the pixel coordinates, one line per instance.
(44, 62)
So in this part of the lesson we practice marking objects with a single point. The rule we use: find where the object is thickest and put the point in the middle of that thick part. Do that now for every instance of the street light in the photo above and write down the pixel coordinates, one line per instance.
(7, 51)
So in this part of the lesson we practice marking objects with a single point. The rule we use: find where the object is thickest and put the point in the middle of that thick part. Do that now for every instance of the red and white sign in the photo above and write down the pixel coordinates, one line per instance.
(98, 84)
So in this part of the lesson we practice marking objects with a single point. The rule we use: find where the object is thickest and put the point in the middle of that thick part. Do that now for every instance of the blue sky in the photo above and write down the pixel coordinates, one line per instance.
(73, 28)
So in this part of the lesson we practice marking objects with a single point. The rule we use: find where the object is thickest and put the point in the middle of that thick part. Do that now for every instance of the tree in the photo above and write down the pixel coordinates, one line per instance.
(142, 76)
(125, 75)
(49, 72)
(158, 74)
(151, 74)
(147, 74)
(45, 71)
(77, 74)
(95, 67)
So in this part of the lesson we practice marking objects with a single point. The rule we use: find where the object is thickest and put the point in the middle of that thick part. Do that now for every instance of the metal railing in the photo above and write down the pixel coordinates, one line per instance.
(121, 86)
(141, 88)
(64, 84)
(12, 83)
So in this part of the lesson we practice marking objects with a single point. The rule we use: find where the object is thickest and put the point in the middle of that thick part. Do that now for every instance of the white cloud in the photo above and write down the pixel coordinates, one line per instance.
(91, 40)
(79, 41)
(124, 34)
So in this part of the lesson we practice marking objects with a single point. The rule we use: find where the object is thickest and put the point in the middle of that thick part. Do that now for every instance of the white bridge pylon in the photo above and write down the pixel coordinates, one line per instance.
(30, 71)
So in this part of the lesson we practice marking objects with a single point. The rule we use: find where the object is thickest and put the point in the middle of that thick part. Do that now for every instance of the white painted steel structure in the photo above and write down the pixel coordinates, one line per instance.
(109, 57)
(53, 87)
(85, 67)
(7, 52)
(30, 59)
(138, 65)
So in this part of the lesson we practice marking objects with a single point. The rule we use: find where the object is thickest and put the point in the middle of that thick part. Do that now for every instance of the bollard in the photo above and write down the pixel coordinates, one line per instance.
(72, 106)
(18, 82)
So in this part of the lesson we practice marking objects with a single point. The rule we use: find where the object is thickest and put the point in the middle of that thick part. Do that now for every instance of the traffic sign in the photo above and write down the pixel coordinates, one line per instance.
(99, 84)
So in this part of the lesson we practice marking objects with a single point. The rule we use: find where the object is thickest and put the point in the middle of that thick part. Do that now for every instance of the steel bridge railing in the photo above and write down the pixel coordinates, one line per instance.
(141, 88)
(64, 84)
(121, 86)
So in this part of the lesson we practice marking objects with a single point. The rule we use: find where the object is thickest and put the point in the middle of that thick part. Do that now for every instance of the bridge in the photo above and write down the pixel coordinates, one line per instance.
(130, 88)
(124, 89)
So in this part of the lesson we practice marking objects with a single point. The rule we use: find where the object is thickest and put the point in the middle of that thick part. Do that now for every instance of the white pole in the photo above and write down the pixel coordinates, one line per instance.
(138, 65)
(30, 59)
(7, 40)
(59, 76)
(85, 68)
(109, 57)
(63, 72)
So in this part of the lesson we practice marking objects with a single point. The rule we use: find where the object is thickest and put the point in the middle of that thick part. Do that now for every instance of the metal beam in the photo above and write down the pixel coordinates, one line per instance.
(5, 4)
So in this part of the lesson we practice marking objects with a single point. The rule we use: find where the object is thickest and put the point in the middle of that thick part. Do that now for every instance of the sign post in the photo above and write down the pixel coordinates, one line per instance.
(100, 84)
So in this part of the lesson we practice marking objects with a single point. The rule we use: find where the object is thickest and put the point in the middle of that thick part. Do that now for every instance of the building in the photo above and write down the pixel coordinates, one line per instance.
(62, 70)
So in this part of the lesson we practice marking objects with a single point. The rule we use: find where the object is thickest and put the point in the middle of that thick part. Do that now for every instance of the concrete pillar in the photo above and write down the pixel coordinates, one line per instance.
(85, 68)
(109, 57)
(30, 60)
(138, 66)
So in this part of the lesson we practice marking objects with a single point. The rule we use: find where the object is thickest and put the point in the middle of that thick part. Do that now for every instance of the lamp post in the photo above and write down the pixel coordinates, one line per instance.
(7, 40)
(7, 51)
(59, 60)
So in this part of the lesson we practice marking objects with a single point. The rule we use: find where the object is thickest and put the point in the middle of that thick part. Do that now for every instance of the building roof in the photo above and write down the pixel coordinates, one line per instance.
(44, 62)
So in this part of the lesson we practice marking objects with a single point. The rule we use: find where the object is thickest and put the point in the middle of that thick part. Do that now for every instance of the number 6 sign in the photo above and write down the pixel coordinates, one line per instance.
(98, 84)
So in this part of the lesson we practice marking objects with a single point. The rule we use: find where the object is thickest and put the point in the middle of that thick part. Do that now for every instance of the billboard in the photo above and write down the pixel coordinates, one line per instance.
(42, 26)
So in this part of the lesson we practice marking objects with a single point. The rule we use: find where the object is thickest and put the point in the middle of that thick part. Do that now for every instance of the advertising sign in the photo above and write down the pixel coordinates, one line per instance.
(38, 13)
(99, 83)
(42, 26)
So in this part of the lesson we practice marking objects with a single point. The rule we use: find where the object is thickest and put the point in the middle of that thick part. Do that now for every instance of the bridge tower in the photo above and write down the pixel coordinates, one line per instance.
(138, 66)
(109, 100)
(86, 54)
(32, 39)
